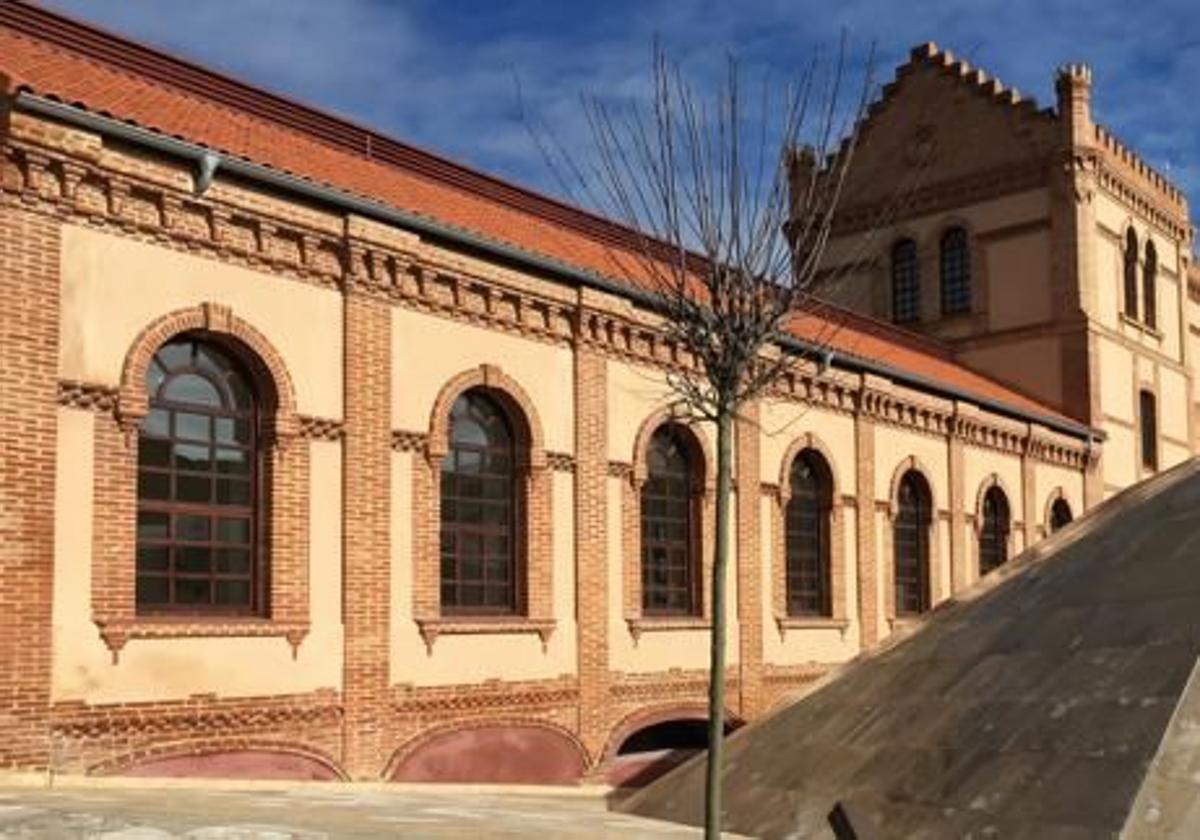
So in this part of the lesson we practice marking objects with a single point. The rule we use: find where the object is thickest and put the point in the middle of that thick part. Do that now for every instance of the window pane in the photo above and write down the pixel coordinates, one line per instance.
(193, 488)
(193, 426)
(233, 492)
(152, 590)
(232, 430)
(157, 423)
(232, 461)
(154, 485)
(233, 530)
(153, 558)
(153, 525)
(192, 559)
(233, 560)
(194, 528)
(191, 389)
(153, 452)
(233, 593)
(191, 456)
(193, 591)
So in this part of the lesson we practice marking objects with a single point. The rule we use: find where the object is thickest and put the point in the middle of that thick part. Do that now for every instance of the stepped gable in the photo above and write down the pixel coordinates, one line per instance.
(1049, 701)
(56, 57)
(941, 121)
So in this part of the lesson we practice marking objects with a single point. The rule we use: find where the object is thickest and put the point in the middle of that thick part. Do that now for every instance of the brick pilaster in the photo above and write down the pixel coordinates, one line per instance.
(749, 562)
(960, 574)
(591, 547)
(1029, 505)
(29, 287)
(868, 574)
(365, 536)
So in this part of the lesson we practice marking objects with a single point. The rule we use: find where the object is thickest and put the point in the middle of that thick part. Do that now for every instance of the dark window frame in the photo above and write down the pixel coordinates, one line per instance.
(1148, 423)
(994, 530)
(955, 263)
(177, 547)
(911, 545)
(1060, 514)
(906, 282)
(670, 506)
(1149, 286)
(807, 554)
(1131, 280)
(462, 490)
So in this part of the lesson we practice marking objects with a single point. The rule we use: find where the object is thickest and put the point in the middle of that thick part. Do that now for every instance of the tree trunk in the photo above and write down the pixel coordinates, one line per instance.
(716, 685)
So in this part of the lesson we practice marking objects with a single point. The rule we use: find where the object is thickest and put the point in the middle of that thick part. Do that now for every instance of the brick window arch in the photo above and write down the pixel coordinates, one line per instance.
(200, 483)
(911, 555)
(994, 528)
(1149, 290)
(479, 512)
(671, 501)
(955, 271)
(906, 282)
(1131, 278)
(807, 536)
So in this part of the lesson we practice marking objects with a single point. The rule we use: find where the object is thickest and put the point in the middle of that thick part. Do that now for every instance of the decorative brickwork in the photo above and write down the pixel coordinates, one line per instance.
(29, 340)
(285, 503)
(535, 608)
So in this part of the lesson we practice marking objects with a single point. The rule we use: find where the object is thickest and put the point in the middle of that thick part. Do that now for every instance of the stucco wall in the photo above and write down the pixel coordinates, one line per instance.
(172, 669)
(114, 287)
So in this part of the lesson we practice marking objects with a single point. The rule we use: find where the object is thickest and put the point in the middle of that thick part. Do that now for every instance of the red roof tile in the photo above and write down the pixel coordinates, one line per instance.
(57, 57)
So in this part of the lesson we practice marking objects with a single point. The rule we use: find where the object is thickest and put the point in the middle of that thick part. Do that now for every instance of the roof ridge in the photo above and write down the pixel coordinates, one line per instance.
(152, 64)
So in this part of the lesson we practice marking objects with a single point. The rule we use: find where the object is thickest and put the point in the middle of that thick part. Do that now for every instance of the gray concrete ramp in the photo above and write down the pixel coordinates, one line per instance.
(1042, 704)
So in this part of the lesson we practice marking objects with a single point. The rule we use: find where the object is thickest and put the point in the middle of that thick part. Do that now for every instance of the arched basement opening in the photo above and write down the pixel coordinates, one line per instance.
(648, 752)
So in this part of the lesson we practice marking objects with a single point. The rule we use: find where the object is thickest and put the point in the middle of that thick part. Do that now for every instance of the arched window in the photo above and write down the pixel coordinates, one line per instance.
(1149, 276)
(1131, 284)
(670, 580)
(956, 272)
(806, 540)
(478, 510)
(993, 530)
(1147, 412)
(906, 282)
(911, 544)
(199, 484)
(1060, 515)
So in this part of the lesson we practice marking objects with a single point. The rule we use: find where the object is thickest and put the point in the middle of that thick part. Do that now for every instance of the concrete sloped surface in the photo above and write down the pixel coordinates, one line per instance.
(1034, 707)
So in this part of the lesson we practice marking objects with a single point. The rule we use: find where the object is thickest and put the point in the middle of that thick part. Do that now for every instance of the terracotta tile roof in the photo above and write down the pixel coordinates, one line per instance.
(57, 57)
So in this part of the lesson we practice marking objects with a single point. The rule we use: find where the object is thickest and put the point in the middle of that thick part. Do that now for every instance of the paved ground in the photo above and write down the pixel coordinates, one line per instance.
(309, 813)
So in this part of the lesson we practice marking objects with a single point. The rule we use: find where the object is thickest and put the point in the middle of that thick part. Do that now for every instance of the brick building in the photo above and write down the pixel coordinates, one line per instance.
(447, 529)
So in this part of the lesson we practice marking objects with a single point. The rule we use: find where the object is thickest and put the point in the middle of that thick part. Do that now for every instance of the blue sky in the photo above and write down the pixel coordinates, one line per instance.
(441, 74)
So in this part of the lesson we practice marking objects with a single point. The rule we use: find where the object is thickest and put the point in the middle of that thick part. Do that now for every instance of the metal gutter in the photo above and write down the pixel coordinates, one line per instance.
(209, 162)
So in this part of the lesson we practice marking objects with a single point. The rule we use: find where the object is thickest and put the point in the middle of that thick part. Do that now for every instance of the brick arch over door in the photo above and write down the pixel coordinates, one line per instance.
(285, 506)
(224, 758)
(505, 750)
(533, 527)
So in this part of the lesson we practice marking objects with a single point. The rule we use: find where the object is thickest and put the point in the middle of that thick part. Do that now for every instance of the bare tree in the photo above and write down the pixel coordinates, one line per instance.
(731, 206)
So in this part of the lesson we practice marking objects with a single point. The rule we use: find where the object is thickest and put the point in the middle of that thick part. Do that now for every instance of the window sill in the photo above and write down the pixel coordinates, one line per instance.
(810, 622)
(665, 624)
(431, 628)
(116, 633)
(1141, 327)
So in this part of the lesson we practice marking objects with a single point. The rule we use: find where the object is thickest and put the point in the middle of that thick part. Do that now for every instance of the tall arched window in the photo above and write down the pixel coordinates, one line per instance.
(806, 540)
(956, 272)
(478, 510)
(1131, 284)
(906, 282)
(199, 484)
(1148, 414)
(1060, 515)
(670, 581)
(911, 544)
(1149, 278)
(993, 530)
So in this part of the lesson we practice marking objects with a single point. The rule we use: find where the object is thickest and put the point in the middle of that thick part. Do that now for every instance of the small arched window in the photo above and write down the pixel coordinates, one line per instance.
(906, 282)
(478, 510)
(1131, 280)
(993, 530)
(911, 544)
(956, 272)
(1149, 293)
(199, 484)
(806, 540)
(1148, 414)
(670, 579)
(1060, 515)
